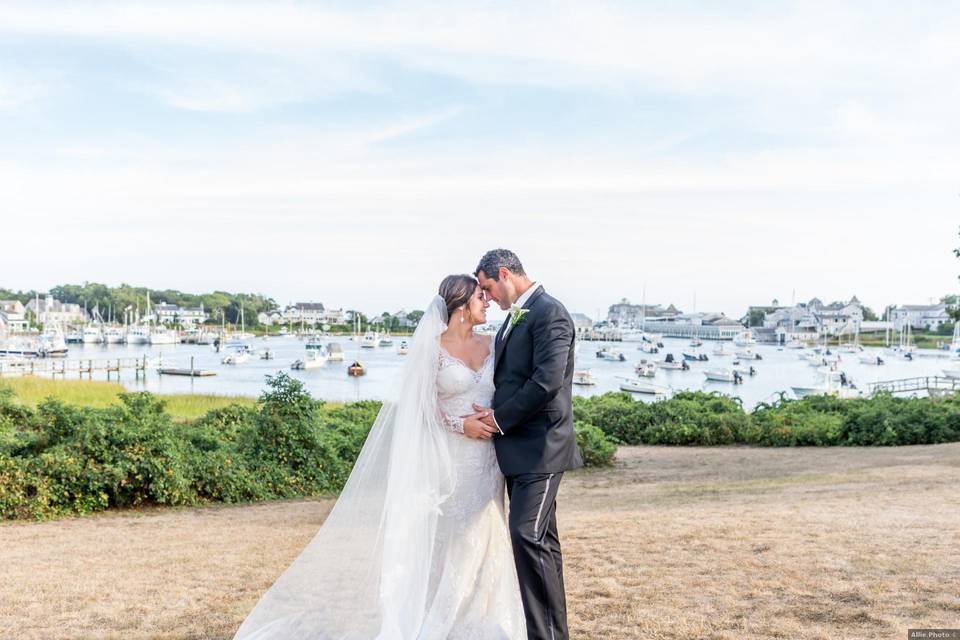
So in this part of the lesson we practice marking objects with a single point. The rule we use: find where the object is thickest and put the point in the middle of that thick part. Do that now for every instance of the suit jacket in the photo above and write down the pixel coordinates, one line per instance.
(533, 401)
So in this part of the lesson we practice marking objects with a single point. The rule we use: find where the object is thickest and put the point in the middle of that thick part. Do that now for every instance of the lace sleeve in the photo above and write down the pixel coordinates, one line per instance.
(453, 423)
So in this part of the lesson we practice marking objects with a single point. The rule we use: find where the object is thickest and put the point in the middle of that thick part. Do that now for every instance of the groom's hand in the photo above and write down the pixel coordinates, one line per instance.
(474, 427)
(487, 417)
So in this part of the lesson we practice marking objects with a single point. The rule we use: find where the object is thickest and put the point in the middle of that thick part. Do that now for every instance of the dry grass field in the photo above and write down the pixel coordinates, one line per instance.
(672, 543)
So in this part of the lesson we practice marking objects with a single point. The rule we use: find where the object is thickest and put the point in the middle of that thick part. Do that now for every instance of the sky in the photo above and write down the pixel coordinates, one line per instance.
(712, 155)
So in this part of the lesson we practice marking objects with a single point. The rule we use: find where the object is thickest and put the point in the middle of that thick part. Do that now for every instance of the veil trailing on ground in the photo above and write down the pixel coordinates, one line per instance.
(366, 574)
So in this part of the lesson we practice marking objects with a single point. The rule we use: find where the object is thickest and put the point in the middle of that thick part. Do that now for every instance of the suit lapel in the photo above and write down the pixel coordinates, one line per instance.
(502, 342)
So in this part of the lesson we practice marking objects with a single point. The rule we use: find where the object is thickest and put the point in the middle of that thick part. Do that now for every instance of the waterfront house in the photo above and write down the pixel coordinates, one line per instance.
(13, 316)
(175, 314)
(625, 315)
(806, 321)
(269, 318)
(403, 320)
(929, 317)
(582, 324)
(705, 325)
(51, 310)
(312, 313)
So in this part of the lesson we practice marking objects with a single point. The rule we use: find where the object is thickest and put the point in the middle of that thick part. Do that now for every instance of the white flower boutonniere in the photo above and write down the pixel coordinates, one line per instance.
(517, 314)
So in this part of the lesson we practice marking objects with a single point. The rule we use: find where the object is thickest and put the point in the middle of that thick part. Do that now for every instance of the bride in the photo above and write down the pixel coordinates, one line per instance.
(417, 545)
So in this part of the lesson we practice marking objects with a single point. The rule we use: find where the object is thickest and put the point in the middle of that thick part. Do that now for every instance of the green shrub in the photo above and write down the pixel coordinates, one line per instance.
(597, 450)
(618, 415)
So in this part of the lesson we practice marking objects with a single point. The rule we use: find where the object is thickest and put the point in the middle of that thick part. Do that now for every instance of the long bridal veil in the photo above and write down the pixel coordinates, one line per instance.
(367, 572)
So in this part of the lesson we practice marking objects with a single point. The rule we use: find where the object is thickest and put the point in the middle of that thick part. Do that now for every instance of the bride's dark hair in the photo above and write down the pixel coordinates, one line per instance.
(456, 291)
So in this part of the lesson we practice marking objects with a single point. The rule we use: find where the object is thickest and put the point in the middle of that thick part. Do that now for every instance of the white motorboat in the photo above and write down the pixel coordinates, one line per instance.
(831, 383)
(74, 337)
(114, 335)
(608, 354)
(314, 359)
(646, 369)
(385, 340)
(747, 354)
(744, 339)
(404, 348)
(234, 343)
(671, 364)
(745, 371)
(191, 336)
(314, 342)
(334, 352)
(721, 375)
(238, 356)
(635, 385)
(92, 335)
(584, 378)
(369, 340)
(19, 347)
(138, 334)
(873, 359)
(794, 344)
(649, 347)
(722, 350)
(51, 343)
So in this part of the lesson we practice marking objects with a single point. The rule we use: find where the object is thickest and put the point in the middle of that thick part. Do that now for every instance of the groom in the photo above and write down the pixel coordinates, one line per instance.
(533, 417)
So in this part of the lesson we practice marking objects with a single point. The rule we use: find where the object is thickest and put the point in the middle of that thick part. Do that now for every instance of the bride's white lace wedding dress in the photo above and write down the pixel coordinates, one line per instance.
(477, 594)
(417, 546)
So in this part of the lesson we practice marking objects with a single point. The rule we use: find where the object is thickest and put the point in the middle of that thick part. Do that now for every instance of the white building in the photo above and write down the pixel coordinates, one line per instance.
(811, 320)
(582, 324)
(404, 322)
(312, 313)
(13, 316)
(704, 325)
(920, 316)
(625, 315)
(53, 311)
(270, 318)
(175, 314)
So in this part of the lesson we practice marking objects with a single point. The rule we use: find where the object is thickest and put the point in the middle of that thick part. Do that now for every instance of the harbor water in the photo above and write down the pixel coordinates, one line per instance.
(778, 370)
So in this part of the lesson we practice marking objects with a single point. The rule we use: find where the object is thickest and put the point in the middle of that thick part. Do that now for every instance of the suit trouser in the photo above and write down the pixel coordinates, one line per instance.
(536, 551)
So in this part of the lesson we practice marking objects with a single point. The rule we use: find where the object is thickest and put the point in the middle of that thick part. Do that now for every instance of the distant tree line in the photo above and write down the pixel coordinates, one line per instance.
(116, 299)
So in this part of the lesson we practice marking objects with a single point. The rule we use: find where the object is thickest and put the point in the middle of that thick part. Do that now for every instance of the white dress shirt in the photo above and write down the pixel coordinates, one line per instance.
(522, 300)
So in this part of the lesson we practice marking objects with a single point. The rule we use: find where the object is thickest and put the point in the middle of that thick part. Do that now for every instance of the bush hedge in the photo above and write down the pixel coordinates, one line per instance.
(700, 418)
(60, 459)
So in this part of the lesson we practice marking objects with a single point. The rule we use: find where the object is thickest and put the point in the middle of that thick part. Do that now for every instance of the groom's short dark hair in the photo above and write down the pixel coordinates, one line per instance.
(491, 262)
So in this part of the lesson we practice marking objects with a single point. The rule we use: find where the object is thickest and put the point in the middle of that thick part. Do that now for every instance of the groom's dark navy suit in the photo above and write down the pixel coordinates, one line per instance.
(533, 406)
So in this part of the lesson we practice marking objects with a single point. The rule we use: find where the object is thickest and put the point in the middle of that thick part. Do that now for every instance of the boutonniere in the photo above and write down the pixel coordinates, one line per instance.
(517, 314)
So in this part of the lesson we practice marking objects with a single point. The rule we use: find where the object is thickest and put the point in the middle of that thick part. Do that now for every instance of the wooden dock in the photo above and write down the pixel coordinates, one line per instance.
(88, 366)
(194, 373)
(65, 366)
(933, 385)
